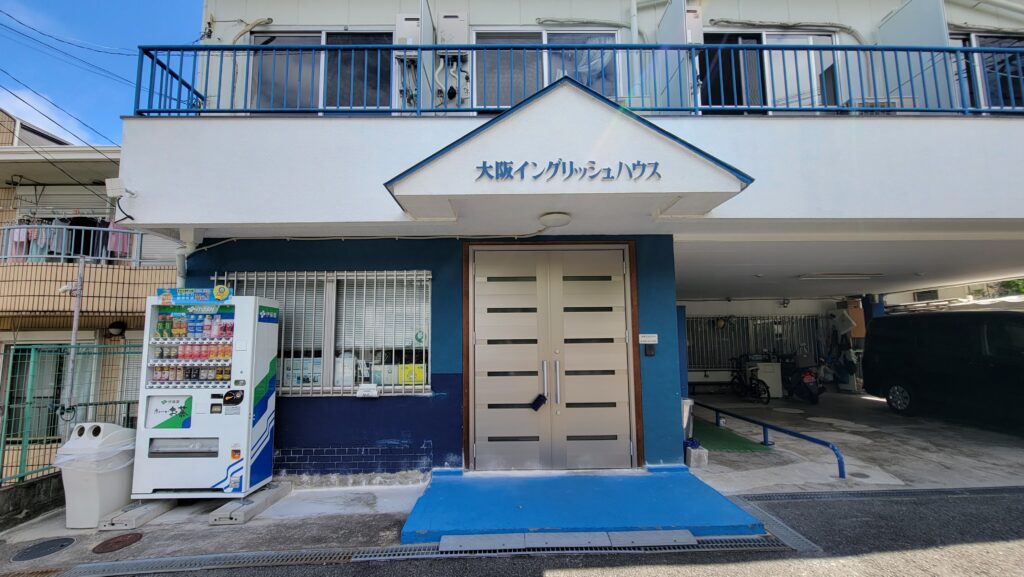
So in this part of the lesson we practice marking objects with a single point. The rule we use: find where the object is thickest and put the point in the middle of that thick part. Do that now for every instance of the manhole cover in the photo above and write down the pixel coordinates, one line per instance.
(43, 549)
(117, 543)
(860, 475)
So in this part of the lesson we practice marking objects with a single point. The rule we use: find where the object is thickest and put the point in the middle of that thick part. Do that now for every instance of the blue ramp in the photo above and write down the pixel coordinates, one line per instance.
(491, 503)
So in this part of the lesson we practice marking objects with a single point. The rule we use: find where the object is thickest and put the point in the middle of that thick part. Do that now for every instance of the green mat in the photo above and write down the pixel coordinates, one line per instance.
(715, 438)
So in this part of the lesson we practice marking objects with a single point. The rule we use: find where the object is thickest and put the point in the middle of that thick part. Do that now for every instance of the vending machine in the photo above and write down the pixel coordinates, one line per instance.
(206, 399)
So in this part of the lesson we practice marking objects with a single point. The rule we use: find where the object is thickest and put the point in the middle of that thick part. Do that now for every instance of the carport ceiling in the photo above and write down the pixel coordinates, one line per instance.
(746, 269)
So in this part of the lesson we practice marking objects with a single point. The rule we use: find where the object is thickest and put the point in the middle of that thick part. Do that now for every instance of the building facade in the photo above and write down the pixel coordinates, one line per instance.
(56, 231)
(480, 218)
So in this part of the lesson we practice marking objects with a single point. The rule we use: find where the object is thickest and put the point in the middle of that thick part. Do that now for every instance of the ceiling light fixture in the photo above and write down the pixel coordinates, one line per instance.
(841, 276)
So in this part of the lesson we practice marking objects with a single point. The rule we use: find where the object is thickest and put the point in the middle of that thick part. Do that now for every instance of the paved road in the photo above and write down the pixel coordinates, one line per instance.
(939, 534)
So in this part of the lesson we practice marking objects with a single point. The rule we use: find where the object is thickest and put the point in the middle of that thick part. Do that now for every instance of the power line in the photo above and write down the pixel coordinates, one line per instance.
(100, 48)
(6, 34)
(83, 123)
(52, 163)
(105, 71)
(62, 127)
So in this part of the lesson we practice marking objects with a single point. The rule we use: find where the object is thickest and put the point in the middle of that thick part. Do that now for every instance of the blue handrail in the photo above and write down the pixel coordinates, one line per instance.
(697, 79)
(766, 426)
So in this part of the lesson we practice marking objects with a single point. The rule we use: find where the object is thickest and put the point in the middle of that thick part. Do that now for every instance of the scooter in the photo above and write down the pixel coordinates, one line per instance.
(803, 384)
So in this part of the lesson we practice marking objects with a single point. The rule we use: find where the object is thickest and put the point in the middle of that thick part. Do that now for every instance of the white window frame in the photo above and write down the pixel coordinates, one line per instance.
(766, 81)
(545, 55)
(980, 78)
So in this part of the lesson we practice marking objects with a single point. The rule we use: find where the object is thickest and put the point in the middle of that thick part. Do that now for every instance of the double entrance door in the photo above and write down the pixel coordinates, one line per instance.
(551, 374)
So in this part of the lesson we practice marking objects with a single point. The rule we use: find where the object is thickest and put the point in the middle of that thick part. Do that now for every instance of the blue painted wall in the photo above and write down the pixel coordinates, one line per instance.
(348, 435)
(684, 359)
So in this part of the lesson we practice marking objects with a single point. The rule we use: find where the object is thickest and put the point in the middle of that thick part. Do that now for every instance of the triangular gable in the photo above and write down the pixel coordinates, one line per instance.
(567, 139)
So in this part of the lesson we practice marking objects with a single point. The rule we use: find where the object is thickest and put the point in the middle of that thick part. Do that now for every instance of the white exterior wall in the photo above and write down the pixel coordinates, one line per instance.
(212, 172)
(862, 15)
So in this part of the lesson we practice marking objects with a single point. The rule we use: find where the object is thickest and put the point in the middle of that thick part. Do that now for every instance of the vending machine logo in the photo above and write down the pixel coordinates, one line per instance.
(268, 315)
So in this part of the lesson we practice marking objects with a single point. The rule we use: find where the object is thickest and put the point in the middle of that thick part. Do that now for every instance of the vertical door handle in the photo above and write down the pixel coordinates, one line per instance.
(558, 384)
(544, 371)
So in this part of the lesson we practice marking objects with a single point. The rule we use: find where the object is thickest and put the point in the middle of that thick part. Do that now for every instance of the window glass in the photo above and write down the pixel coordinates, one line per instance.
(382, 331)
(1003, 73)
(286, 78)
(592, 67)
(801, 78)
(731, 77)
(359, 78)
(507, 76)
(1005, 338)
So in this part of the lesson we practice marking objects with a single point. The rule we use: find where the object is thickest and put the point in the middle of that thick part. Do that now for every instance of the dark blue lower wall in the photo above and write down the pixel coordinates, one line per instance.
(349, 435)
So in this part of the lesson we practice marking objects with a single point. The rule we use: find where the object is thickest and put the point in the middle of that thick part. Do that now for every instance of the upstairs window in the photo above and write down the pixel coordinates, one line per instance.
(508, 76)
(1002, 74)
(290, 78)
(286, 78)
(359, 78)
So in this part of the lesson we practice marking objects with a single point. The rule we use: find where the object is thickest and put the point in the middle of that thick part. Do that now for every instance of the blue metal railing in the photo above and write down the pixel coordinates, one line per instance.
(662, 79)
(764, 432)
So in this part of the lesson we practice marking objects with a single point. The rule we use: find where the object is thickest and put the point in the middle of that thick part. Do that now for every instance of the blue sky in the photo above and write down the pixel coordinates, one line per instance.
(118, 24)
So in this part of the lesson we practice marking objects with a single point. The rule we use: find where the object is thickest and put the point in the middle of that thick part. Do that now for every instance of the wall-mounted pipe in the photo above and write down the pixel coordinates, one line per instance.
(829, 26)
(1002, 4)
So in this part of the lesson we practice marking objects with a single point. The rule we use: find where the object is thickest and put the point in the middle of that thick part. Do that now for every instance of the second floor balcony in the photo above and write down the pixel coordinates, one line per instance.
(39, 263)
(386, 79)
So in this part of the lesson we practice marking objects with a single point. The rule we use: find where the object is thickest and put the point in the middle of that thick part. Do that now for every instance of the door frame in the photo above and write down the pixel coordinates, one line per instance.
(632, 319)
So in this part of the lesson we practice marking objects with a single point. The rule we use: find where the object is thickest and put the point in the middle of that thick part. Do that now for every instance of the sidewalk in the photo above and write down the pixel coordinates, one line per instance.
(308, 518)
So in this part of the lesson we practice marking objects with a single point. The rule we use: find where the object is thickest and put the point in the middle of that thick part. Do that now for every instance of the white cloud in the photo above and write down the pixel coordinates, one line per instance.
(25, 112)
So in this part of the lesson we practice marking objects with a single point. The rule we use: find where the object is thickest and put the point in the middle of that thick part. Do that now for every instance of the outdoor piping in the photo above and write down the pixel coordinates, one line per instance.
(833, 26)
(1003, 4)
(250, 26)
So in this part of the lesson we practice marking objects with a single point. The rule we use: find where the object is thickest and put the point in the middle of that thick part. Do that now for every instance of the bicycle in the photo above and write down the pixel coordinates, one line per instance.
(745, 382)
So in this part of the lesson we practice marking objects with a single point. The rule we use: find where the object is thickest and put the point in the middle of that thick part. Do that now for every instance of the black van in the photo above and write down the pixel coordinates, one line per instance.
(967, 364)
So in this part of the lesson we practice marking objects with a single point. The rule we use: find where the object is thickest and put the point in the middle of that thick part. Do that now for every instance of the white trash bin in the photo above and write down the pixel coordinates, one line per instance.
(96, 466)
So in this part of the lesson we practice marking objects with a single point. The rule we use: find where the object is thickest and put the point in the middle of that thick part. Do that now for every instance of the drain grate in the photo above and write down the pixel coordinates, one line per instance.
(885, 493)
(204, 562)
(329, 557)
(776, 527)
(765, 543)
(48, 547)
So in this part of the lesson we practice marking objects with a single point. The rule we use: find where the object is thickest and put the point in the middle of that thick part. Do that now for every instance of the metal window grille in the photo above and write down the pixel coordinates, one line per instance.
(372, 327)
(712, 341)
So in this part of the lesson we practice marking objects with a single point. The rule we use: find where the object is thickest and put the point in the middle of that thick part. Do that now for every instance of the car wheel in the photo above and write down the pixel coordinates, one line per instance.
(898, 398)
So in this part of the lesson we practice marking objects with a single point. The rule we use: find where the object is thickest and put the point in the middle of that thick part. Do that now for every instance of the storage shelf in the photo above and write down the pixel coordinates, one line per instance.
(189, 340)
(190, 363)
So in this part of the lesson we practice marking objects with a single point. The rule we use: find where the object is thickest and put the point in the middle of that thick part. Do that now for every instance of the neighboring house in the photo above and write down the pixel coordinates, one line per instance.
(462, 205)
(54, 216)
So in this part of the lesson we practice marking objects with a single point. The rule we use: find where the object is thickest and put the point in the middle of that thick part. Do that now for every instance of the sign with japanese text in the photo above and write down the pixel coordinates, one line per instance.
(564, 170)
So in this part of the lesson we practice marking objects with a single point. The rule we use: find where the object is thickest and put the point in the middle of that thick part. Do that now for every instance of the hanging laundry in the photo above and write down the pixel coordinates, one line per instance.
(120, 243)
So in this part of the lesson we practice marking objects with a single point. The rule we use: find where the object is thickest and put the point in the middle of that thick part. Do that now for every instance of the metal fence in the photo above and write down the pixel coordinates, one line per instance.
(42, 400)
(39, 243)
(480, 78)
(712, 341)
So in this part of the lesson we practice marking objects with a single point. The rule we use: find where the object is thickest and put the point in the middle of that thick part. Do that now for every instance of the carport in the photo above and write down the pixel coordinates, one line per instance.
(772, 290)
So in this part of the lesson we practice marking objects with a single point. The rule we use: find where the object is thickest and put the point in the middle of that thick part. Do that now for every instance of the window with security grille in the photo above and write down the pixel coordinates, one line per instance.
(347, 332)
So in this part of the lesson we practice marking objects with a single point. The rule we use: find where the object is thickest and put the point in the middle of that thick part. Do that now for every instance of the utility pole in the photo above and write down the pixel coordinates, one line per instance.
(67, 394)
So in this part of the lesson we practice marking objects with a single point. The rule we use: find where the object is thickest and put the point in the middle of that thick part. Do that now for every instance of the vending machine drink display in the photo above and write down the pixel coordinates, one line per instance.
(206, 402)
